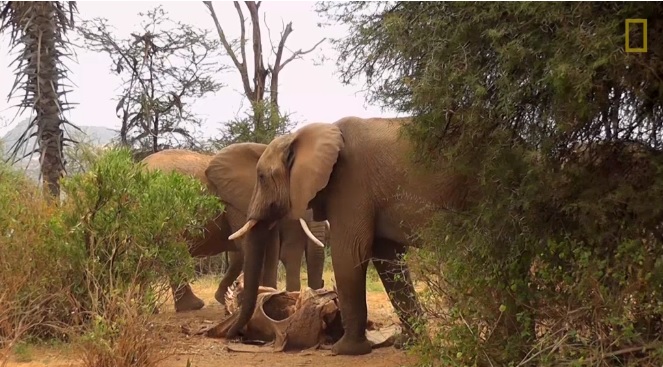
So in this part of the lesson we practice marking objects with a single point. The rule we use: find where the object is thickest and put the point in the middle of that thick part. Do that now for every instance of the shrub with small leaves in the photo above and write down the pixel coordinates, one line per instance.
(554, 258)
(99, 262)
(132, 226)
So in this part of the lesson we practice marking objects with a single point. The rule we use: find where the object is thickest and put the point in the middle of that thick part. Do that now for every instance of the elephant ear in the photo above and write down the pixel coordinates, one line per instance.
(232, 173)
(314, 151)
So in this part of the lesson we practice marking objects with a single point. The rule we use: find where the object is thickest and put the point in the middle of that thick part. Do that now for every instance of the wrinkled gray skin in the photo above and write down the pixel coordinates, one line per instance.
(358, 174)
(291, 244)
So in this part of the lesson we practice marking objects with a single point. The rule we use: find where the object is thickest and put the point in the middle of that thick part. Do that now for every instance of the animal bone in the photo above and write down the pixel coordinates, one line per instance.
(291, 320)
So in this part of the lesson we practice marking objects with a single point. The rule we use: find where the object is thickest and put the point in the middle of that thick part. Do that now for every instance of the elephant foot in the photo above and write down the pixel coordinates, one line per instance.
(351, 346)
(189, 303)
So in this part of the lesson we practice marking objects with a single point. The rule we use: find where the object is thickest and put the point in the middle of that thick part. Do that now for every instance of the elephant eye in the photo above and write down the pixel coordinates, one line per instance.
(261, 176)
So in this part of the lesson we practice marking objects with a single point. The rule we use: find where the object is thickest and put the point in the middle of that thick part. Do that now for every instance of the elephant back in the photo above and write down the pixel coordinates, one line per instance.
(183, 161)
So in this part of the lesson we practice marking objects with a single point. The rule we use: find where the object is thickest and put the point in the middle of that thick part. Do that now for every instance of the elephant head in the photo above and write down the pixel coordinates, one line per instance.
(291, 171)
(232, 170)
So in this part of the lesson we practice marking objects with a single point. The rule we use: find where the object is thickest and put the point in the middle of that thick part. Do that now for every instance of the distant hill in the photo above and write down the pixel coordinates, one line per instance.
(96, 135)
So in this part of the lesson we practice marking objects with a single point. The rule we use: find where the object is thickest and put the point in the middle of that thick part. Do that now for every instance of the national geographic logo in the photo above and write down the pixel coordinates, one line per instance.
(636, 22)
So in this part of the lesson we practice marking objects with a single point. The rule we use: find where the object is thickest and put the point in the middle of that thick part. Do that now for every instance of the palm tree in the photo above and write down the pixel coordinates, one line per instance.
(38, 30)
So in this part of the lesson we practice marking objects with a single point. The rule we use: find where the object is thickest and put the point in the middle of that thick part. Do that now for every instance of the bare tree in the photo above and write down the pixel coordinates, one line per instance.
(162, 67)
(266, 116)
(38, 30)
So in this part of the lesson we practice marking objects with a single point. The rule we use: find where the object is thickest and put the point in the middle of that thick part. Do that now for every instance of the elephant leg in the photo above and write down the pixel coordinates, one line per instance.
(315, 265)
(235, 264)
(395, 276)
(184, 298)
(292, 274)
(293, 265)
(350, 256)
(292, 242)
(315, 256)
(271, 265)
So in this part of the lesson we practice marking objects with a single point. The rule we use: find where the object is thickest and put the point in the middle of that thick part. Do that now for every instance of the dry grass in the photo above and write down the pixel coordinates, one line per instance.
(23, 304)
(121, 336)
(172, 347)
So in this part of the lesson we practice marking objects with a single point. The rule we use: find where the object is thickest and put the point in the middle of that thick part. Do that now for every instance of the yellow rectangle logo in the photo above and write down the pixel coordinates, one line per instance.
(644, 35)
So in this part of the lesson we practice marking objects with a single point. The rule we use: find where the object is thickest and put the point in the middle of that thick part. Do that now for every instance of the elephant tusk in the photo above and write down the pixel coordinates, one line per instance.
(242, 231)
(328, 225)
(309, 234)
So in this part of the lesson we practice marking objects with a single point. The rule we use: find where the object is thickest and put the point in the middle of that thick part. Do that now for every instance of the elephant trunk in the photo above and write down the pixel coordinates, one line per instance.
(254, 259)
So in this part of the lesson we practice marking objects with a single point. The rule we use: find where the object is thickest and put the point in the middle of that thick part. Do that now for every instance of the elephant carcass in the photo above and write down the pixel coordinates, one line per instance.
(291, 320)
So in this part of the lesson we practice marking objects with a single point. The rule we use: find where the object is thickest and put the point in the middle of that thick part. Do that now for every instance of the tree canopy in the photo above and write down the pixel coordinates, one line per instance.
(558, 129)
(547, 72)
(164, 66)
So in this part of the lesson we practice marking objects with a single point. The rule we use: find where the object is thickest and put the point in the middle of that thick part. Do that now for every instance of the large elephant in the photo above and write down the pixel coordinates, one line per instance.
(358, 174)
(293, 235)
(231, 175)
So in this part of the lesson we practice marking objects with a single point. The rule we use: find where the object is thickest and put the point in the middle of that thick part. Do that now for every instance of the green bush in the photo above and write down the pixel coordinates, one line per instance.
(132, 225)
(114, 242)
(35, 271)
(552, 258)
(262, 123)
(554, 265)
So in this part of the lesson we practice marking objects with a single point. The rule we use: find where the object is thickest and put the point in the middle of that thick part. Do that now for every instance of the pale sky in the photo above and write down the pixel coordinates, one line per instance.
(311, 92)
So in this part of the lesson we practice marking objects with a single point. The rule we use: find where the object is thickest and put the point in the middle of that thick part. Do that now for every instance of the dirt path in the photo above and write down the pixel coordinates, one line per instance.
(203, 351)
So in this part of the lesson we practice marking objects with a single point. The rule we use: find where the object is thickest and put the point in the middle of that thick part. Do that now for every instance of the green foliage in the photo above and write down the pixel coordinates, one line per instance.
(261, 124)
(556, 132)
(101, 258)
(22, 352)
(80, 156)
(133, 224)
(35, 270)
(536, 70)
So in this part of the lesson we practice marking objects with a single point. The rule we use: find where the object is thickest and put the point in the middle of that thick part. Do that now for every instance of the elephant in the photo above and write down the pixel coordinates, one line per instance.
(295, 237)
(360, 176)
(231, 175)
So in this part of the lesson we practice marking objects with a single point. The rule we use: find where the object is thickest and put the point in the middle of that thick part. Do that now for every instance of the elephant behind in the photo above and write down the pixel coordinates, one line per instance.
(357, 174)
(215, 239)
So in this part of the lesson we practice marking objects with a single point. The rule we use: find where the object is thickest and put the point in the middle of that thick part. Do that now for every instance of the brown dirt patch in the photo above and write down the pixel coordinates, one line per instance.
(204, 351)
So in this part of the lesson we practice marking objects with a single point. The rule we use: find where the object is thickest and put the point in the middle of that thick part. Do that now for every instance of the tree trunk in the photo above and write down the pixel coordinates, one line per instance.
(38, 28)
(41, 36)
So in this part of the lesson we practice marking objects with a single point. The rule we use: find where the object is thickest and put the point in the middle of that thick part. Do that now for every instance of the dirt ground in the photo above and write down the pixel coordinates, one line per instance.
(204, 351)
